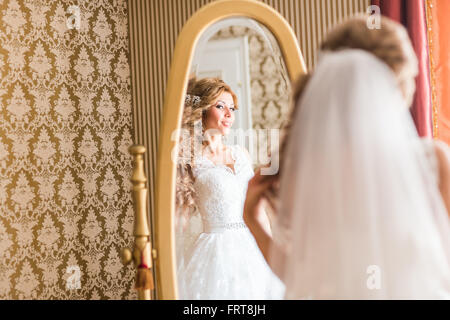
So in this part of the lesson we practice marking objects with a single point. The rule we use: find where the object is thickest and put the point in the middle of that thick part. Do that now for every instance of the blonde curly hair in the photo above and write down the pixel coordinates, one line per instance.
(390, 43)
(200, 96)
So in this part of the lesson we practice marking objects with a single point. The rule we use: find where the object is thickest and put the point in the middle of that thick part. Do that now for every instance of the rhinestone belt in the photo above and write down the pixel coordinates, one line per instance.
(224, 227)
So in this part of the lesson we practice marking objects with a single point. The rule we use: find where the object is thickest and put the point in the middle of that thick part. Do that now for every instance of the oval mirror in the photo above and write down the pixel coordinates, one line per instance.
(226, 101)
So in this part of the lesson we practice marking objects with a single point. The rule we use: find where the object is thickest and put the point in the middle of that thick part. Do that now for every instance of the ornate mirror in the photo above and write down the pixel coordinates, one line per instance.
(250, 47)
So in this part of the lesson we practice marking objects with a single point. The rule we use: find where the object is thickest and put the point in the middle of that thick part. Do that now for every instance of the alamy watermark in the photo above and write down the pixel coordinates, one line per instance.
(374, 19)
(262, 144)
(373, 281)
(73, 282)
(74, 20)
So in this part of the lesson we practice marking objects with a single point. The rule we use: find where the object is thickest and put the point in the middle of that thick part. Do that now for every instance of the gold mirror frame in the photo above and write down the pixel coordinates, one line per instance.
(165, 263)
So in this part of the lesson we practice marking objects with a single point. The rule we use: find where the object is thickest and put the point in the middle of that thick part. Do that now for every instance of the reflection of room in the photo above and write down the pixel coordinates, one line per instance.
(212, 185)
(80, 84)
(269, 88)
(252, 64)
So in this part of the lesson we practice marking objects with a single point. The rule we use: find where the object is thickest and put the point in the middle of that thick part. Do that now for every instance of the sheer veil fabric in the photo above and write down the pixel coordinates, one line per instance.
(361, 216)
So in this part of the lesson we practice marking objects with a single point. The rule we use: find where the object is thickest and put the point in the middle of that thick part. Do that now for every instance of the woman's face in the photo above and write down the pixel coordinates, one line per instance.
(220, 116)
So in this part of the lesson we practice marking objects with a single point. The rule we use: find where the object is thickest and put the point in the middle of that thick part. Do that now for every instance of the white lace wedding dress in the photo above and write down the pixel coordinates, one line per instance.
(224, 261)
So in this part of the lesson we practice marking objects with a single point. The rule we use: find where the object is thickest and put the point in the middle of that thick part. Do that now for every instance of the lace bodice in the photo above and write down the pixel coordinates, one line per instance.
(220, 192)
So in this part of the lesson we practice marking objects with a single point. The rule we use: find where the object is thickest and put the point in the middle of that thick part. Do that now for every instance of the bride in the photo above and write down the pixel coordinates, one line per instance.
(362, 211)
(223, 262)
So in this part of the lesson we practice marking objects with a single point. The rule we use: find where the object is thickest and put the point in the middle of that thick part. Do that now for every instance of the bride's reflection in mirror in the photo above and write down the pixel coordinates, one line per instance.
(235, 104)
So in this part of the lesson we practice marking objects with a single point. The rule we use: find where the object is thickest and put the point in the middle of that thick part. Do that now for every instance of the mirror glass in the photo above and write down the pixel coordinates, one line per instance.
(217, 257)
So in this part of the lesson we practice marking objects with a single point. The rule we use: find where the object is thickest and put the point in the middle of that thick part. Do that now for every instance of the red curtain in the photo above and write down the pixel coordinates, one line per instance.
(412, 14)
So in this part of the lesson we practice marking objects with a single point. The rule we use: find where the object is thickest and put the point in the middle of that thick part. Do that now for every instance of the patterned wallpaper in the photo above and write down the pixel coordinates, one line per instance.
(65, 126)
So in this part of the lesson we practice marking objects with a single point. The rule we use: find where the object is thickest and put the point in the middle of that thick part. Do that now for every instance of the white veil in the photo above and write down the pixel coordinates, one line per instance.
(361, 216)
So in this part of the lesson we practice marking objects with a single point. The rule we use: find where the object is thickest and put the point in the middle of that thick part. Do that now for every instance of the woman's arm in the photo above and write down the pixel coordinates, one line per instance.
(263, 217)
(256, 219)
(443, 156)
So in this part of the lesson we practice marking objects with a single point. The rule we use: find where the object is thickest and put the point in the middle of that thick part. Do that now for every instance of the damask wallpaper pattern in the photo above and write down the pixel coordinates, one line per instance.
(65, 128)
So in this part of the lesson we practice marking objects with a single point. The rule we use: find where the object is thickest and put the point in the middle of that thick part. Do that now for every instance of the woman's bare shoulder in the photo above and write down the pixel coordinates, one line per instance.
(442, 151)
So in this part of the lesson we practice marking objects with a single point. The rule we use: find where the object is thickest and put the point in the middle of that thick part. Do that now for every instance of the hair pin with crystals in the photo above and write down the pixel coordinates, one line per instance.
(192, 100)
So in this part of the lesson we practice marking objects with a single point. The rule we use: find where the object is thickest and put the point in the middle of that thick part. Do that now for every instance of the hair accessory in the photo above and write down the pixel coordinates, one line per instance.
(191, 99)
